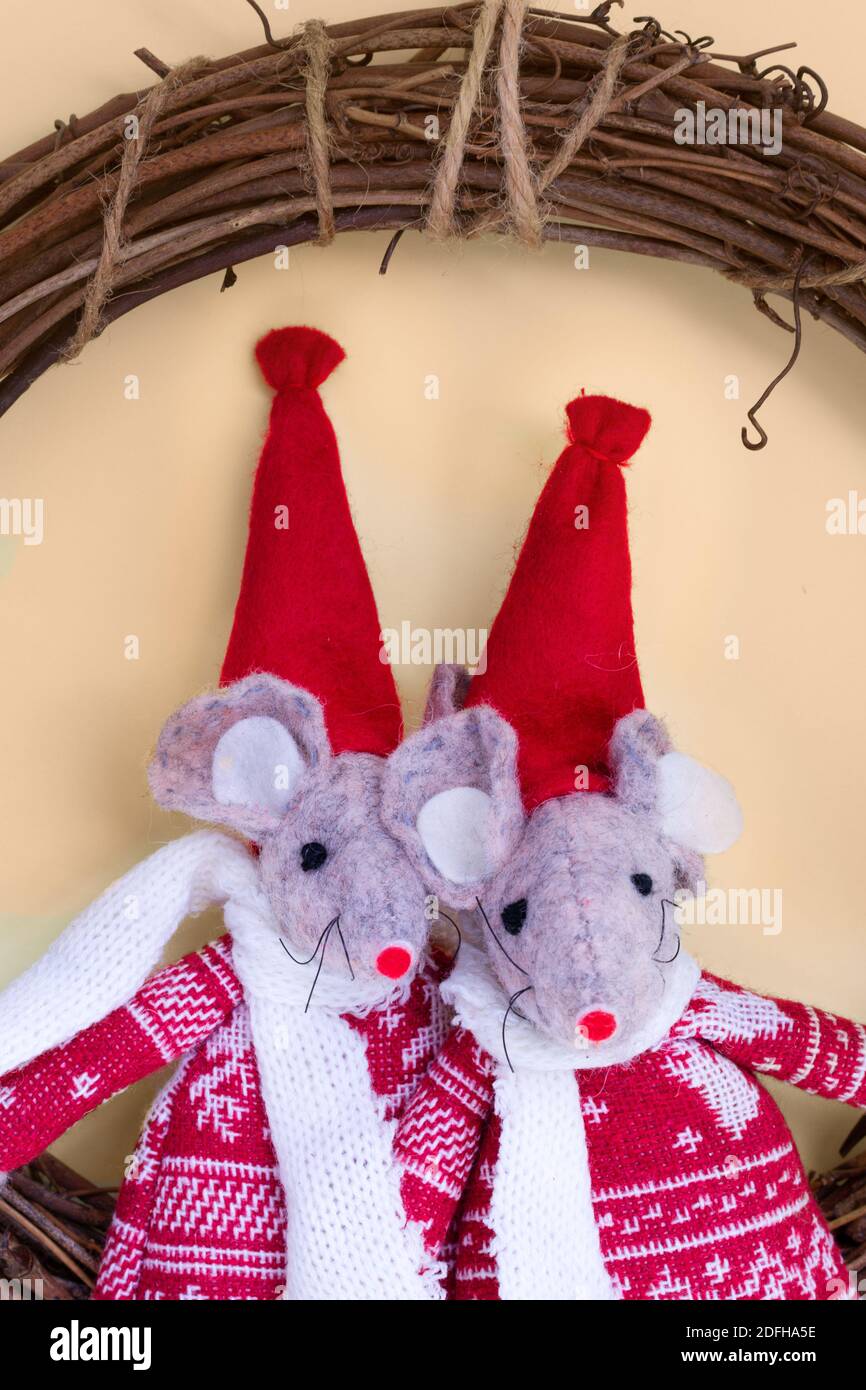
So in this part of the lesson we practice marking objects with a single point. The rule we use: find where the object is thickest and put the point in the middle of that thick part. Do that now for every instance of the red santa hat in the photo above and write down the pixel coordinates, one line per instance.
(306, 610)
(560, 659)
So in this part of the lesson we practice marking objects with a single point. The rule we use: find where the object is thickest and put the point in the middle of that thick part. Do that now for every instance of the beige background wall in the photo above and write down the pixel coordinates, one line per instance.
(145, 516)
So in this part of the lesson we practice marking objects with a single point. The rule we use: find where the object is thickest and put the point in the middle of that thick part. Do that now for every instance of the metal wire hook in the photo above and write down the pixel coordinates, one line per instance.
(798, 342)
(280, 44)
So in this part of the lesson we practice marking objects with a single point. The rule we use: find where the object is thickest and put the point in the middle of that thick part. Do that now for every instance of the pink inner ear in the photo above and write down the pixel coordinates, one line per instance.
(257, 763)
(266, 732)
(450, 797)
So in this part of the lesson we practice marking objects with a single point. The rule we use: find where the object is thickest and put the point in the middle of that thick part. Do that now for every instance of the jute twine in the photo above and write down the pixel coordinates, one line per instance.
(491, 77)
(315, 71)
(101, 283)
(810, 280)
(443, 196)
(523, 211)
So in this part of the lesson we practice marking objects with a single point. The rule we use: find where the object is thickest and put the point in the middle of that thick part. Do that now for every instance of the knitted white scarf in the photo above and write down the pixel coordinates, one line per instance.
(348, 1238)
(347, 1234)
(545, 1235)
(105, 955)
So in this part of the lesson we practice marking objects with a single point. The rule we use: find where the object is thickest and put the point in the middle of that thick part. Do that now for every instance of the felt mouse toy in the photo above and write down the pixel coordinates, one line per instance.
(593, 1119)
(265, 1169)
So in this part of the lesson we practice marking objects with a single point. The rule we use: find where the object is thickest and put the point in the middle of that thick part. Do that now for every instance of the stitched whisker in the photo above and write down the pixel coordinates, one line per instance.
(456, 928)
(311, 958)
(672, 958)
(344, 946)
(669, 903)
(326, 936)
(511, 1008)
(323, 943)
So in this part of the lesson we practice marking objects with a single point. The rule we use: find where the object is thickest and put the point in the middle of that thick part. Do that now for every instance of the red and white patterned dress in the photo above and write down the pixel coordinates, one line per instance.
(697, 1190)
(201, 1213)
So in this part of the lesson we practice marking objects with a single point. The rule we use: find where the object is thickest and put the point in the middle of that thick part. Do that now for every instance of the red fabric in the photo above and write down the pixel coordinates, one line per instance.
(561, 664)
(697, 1188)
(441, 1135)
(171, 1013)
(306, 610)
(201, 1213)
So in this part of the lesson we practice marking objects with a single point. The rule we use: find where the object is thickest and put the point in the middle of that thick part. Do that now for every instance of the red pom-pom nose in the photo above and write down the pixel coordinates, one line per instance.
(596, 1026)
(395, 960)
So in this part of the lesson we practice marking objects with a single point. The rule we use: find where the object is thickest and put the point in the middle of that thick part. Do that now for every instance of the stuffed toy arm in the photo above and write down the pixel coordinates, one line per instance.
(439, 1134)
(794, 1042)
(89, 973)
(107, 953)
(176, 1009)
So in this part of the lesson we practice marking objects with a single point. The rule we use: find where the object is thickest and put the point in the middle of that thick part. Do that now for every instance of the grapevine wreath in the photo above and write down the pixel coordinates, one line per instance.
(490, 117)
(454, 121)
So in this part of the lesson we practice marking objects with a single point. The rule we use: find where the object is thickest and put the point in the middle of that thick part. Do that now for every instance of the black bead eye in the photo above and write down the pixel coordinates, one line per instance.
(643, 883)
(514, 916)
(313, 856)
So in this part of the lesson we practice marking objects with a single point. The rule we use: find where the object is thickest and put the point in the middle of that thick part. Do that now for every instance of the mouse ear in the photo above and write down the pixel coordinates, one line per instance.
(698, 807)
(451, 798)
(238, 756)
(448, 690)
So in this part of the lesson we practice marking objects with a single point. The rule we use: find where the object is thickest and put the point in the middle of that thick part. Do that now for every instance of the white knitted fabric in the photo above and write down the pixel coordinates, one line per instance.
(479, 1005)
(545, 1233)
(348, 1238)
(107, 952)
(347, 1234)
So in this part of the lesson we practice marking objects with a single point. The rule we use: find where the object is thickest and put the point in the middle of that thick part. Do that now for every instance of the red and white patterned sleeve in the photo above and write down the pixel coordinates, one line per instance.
(795, 1042)
(177, 1008)
(439, 1134)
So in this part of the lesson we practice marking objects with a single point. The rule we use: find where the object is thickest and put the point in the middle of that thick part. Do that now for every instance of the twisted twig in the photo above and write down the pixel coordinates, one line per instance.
(553, 128)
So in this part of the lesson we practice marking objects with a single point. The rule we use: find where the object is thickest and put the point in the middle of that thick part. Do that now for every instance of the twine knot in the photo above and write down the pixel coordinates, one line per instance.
(523, 210)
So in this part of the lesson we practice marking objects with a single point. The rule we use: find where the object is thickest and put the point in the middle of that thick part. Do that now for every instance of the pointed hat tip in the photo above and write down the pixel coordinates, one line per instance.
(297, 358)
(607, 428)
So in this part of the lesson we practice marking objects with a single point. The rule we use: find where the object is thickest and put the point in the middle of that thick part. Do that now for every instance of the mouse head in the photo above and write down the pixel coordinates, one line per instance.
(576, 898)
(294, 759)
(553, 796)
(256, 759)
